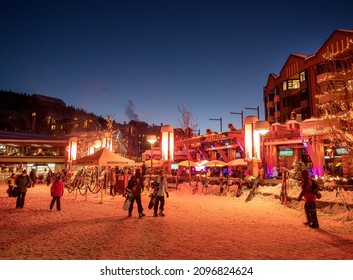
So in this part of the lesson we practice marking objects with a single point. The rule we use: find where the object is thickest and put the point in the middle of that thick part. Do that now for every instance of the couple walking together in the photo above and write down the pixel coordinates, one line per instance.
(135, 187)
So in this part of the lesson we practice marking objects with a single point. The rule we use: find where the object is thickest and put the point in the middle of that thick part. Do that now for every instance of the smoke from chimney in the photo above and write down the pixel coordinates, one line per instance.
(129, 111)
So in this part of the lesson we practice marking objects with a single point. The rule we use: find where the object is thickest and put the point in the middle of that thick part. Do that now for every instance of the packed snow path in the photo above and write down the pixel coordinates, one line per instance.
(195, 227)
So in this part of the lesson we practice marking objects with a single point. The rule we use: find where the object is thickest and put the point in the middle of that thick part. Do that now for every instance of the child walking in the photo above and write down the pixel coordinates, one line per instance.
(57, 190)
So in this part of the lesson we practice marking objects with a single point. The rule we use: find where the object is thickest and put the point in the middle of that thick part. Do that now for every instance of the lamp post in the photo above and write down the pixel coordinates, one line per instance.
(151, 139)
(257, 109)
(262, 127)
(220, 121)
(242, 117)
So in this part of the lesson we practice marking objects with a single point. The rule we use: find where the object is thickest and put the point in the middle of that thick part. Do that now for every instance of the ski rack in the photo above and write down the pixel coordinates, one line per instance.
(340, 194)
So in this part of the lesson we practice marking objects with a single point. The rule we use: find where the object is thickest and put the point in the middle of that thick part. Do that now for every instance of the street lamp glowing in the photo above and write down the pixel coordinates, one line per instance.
(151, 139)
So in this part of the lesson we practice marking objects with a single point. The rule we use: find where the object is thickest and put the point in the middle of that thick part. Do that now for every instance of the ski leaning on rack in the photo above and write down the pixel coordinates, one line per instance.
(340, 194)
(284, 195)
(253, 190)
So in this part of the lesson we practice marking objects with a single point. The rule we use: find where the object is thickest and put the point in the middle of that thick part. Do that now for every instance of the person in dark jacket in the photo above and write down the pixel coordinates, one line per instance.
(57, 191)
(33, 177)
(310, 200)
(23, 182)
(135, 187)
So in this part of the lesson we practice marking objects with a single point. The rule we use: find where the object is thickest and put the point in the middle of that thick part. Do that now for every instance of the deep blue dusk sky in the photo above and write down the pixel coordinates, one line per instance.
(213, 57)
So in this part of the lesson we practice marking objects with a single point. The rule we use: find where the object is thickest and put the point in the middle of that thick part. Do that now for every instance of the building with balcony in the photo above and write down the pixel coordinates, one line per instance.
(304, 80)
(312, 88)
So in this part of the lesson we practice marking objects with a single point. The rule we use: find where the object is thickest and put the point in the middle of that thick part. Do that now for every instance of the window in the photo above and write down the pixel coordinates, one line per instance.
(293, 84)
(302, 76)
(284, 86)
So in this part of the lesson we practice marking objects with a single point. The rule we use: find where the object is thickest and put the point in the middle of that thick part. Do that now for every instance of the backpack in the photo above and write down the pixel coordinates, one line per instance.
(14, 192)
(315, 189)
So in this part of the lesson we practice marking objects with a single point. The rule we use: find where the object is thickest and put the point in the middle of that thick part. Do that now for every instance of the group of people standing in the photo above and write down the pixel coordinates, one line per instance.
(19, 184)
(135, 187)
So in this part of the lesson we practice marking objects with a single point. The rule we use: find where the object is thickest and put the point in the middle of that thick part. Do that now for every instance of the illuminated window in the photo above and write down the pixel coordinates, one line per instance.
(85, 124)
(293, 84)
(302, 76)
(52, 127)
(34, 114)
(284, 85)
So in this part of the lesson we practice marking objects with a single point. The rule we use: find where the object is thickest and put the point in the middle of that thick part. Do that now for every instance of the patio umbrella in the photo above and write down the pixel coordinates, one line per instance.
(202, 162)
(155, 163)
(186, 163)
(215, 163)
(237, 162)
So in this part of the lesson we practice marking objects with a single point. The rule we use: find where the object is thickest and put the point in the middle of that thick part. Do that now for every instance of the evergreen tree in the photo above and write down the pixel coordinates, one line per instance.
(297, 167)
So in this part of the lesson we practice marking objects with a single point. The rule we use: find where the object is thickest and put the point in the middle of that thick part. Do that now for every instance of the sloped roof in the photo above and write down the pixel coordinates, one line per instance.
(29, 136)
(49, 99)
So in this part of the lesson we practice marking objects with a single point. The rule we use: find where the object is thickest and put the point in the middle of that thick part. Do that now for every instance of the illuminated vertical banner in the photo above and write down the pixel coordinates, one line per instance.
(167, 142)
(252, 138)
(72, 149)
(256, 145)
(248, 140)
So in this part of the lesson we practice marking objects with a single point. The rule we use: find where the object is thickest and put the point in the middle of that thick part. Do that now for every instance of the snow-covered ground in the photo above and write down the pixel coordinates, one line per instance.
(196, 227)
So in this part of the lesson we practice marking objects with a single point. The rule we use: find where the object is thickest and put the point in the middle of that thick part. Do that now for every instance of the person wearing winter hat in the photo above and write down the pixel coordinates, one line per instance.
(161, 190)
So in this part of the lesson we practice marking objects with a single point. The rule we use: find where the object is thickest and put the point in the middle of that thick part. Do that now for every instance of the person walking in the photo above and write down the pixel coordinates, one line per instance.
(57, 191)
(134, 188)
(23, 182)
(310, 200)
(161, 190)
(33, 177)
(112, 181)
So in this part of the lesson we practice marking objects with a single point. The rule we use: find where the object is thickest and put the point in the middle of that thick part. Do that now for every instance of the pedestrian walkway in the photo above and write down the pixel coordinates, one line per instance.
(196, 227)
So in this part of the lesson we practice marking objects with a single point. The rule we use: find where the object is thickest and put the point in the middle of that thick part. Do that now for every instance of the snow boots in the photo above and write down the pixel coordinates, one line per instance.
(310, 211)
(160, 214)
